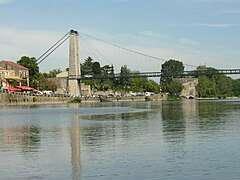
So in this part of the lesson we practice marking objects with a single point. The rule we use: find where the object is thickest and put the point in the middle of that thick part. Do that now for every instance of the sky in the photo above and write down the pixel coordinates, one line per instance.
(196, 32)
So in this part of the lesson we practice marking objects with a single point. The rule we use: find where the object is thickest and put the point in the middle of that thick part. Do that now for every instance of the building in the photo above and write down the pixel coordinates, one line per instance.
(189, 87)
(61, 82)
(11, 71)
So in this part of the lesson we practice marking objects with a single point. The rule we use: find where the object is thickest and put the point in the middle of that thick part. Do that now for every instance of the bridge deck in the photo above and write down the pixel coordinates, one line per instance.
(159, 74)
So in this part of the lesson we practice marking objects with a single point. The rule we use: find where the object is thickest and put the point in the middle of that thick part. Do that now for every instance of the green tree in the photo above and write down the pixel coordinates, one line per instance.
(202, 70)
(206, 87)
(96, 68)
(236, 87)
(124, 82)
(86, 67)
(224, 87)
(53, 73)
(31, 64)
(170, 69)
(174, 87)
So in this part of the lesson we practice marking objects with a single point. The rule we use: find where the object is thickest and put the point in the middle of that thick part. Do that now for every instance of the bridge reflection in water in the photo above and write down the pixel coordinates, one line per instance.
(75, 136)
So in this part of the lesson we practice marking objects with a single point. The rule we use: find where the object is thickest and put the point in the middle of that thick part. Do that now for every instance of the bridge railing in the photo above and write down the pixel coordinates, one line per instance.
(175, 74)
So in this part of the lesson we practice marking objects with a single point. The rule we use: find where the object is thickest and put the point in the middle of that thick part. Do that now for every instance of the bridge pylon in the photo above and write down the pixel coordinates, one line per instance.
(74, 86)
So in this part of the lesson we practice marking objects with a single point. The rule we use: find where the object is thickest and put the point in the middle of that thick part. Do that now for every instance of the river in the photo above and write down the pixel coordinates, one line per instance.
(121, 140)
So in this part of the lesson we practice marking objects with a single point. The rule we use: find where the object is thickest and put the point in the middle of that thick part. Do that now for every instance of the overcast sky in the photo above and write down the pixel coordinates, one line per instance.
(193, 31)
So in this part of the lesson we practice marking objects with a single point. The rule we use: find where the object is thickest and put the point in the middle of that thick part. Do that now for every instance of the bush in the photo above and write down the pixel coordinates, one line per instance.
(75, 100)
(147, 98)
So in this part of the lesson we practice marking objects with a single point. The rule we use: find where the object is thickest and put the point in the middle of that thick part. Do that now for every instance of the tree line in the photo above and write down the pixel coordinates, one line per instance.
(40, 80)
(121, 84)
(209, 86)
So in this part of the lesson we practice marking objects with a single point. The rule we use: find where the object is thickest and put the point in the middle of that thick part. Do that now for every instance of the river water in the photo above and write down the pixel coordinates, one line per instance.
(123, 140)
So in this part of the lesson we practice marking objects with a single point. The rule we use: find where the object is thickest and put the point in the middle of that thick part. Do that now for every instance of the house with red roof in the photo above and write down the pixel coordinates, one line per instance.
(11, 71)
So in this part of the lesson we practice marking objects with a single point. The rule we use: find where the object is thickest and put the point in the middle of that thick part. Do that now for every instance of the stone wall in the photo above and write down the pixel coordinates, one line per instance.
(9, 98)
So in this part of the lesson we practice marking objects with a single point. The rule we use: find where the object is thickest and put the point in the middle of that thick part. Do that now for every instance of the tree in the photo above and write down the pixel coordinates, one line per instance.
(236, 87)
(206, 87)
(96, 68)
(202, 70)
(53, 73)
(224, 86)
(86, 67)
(30, 63)
(169, 69)
(124, 82)
(174, 87)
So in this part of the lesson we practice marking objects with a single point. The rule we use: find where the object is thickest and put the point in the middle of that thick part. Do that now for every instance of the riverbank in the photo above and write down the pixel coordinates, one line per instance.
(9, 98)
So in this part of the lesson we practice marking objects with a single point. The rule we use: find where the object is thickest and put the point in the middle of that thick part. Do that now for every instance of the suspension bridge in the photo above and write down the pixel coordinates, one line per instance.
(75, 77)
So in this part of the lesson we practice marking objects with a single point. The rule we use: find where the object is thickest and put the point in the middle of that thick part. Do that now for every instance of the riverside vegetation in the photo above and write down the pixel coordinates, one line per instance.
(209, 86)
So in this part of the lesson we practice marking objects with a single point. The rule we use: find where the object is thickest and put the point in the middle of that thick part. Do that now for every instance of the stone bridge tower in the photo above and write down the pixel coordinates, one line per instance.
(74, 86)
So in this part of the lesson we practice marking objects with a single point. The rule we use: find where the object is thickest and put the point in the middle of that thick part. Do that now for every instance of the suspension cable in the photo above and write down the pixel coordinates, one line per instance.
(52, 50)
(52, 47)
(130, 50)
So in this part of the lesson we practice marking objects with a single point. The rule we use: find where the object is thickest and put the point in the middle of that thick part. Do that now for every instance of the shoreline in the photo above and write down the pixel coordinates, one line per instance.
(12, 99)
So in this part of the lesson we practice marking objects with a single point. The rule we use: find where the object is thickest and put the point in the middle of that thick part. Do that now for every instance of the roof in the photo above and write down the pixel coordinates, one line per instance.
(15, 65)
(63, 74)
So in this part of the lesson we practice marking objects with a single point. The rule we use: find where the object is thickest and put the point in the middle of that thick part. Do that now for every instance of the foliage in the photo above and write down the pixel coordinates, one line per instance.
(53, 73)
(174, 87)
(96, 68)
(75, 100)
(147, 98)
(206, 87)
(168, 83)
(31, 64)
(206, 71)
(86, 67)
(122, 84)
(214, 85)
(37, 79)
(170, 67)
(236, 87)
(224, 86)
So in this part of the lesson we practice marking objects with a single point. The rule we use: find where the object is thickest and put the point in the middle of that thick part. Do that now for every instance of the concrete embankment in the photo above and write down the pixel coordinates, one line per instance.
(8, 98)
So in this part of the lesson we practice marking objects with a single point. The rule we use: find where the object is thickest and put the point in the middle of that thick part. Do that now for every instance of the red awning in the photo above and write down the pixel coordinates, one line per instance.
(25, 88)
(11, 88)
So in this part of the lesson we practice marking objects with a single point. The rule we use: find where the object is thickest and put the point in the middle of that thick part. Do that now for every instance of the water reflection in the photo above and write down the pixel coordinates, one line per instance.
(133, 140)
(75, 139)
(213, 115)
(103, 130)
(173, 120)
(27, 137)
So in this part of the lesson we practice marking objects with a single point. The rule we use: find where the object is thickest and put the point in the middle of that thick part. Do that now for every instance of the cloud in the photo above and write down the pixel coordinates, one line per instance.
(210, 25)
(154, 34)
(188, 42)
(4, 1)
(214, 25)
(16, 43)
